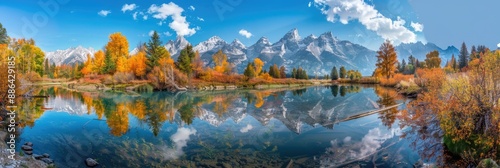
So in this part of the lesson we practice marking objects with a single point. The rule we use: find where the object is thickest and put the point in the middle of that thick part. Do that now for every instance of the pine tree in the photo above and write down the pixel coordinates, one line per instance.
(294, 73)
(343, 72)
(462, 58)
(473, 53)
(387, 59)
(334, 74)
(155, 51)
(403, 65)
(454, 62)
(109, 64)
(250, 71)
(4, 38)
(183, 62)
(47, 68)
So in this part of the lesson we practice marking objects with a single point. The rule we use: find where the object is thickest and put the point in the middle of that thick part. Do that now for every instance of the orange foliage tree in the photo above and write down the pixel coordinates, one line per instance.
(386, 60)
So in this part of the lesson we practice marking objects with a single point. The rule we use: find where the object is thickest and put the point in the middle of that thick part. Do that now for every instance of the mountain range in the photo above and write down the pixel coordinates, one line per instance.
(316, 54)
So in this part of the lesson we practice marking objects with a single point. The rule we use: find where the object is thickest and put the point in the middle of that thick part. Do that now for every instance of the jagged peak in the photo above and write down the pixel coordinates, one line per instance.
(292, 35)
(263, 40)
(215, 39)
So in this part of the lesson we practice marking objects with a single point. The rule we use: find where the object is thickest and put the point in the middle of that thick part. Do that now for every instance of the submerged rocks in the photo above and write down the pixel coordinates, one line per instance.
(47, 160)
(91, 162)
(28, 144)
(26, 148)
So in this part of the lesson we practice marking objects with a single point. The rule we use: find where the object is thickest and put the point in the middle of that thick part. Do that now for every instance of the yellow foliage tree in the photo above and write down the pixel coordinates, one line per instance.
(122, 65)
(221, 64)
(137, 64)
(98, 62)
(258, 65)
(88, 66)
(116, 48)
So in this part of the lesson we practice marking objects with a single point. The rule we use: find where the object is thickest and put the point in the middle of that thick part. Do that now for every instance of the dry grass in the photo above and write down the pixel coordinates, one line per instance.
(391, 82)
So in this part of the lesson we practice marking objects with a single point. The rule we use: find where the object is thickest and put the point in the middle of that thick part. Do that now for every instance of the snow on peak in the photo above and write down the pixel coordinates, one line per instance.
(237, 43)
(213, 42)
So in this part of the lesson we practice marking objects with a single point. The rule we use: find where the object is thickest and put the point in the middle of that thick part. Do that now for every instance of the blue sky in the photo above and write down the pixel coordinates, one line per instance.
(70, 23)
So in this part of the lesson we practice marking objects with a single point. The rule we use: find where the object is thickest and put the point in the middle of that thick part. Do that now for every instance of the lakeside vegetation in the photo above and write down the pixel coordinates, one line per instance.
(462, 98)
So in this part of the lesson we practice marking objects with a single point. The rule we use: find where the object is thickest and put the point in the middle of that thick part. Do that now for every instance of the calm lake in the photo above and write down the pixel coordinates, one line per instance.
(320, 126)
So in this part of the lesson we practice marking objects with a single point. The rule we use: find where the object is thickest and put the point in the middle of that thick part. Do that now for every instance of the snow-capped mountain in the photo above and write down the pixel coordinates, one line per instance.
(175, 47)
(235, 51)
(419, 50)
(316, 54)
(70, 55)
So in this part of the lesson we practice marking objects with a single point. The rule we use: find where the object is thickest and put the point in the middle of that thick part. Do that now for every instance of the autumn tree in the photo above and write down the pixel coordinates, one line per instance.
(88, 66)
(117, 50)
(138, 64)
(99, 65)
(462, 58)
(258, 65)
(432, 59)
(282, 72)
(197, 64)
(334, 74)
(274, 71)
(221, 64)
(387, 59)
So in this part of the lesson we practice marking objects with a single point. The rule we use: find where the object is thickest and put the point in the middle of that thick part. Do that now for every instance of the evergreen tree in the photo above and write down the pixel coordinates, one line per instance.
(109, 64)
(411, 60)
(343, 72)
(462, 58)
(334, 74)
(403, 65)
(4, 38)
(294, 73)
(453, 62)
(473, 53)
(47, 67)
(155, 51)
(250, 71)
(184, 61)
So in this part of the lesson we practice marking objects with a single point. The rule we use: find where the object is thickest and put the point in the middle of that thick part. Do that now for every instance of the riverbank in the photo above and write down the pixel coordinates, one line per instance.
(20, 159)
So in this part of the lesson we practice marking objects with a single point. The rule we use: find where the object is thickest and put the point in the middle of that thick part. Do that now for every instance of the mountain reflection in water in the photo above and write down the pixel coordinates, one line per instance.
(220, 128)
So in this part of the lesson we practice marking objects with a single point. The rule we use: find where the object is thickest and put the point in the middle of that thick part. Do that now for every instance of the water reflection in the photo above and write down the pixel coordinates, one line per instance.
(312, 126)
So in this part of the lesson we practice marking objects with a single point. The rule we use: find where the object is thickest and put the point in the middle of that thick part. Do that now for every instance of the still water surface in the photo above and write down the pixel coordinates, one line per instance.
(314, 127)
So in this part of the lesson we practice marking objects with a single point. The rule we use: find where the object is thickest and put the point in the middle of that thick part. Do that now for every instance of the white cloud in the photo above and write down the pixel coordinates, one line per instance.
(309, 5)
(179, 23)
(246, 128)
(168, 34)
(367, 15)
(145, 17)
(192, 8)
(135, 15)
(104, 13)
(498, 45)
(417, 27)
(129, 7)
(200, 19)
(245, 33)
(151, 33)
(180, 139)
